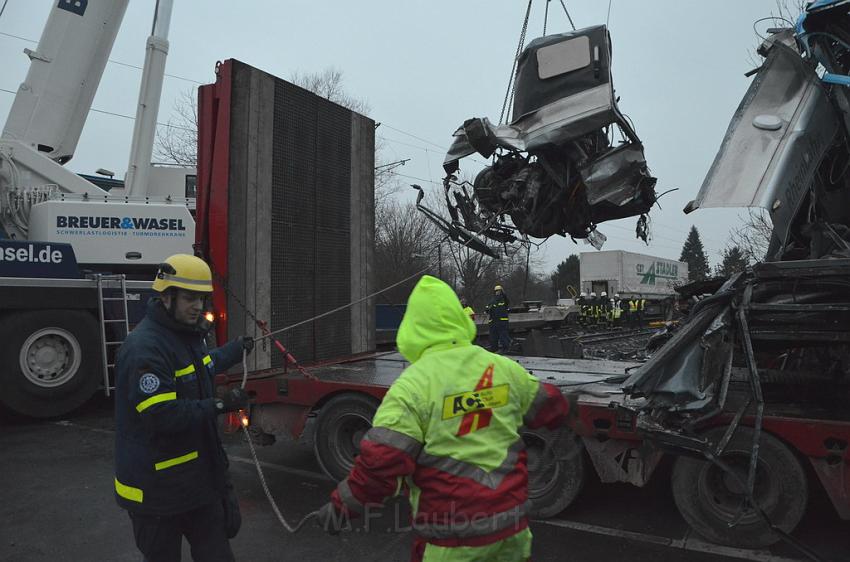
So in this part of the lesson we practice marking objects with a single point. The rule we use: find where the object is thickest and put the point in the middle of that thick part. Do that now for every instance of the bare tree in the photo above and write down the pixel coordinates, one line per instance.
(753, 235)
(177, 142)
(406, 243)
(329, 84)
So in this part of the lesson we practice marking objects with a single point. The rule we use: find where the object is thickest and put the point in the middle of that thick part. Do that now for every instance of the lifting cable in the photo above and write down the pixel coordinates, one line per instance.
(508, 93)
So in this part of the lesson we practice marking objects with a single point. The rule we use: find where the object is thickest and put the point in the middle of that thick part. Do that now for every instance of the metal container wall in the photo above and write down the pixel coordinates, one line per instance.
(301, 218)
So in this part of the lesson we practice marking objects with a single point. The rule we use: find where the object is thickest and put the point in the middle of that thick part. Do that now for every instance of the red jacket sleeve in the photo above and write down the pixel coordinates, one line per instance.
(385, 457)
(549, 408)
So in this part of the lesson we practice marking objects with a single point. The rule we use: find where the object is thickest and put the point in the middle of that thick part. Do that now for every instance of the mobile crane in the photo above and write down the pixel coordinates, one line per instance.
(70, 250)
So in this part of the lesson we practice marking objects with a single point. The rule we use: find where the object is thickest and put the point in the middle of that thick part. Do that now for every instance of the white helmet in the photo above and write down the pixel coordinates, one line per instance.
(604, 293)
(616, 295)
(592, 293)
(582, 294)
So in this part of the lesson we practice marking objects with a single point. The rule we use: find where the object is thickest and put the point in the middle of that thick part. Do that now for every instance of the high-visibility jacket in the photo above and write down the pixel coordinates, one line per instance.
(633, 305)
(168, 455)
(447, 430)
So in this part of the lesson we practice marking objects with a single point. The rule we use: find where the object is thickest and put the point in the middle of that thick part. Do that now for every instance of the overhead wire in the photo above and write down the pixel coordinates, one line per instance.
(113, 61)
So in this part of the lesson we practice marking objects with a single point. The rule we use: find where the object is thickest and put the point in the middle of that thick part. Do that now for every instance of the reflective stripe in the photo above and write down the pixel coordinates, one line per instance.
(185, 371)
(462, 469)
(394, 439)
(475, 526)
(129, 492)
(347, 497)
(156, 399)
(536, 404)
(199, 282)
(503, 318)
(191, 368)
(175, 461)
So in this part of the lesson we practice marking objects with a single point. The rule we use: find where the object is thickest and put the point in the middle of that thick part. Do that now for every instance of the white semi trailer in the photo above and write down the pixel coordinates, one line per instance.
(630, 274)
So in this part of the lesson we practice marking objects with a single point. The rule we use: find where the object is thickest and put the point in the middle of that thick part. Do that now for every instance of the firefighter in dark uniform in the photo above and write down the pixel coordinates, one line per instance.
(500, 339)
(170, 467)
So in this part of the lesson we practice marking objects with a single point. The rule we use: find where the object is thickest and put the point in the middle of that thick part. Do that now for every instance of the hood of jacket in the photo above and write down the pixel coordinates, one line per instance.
(157, 312)
(434, 317)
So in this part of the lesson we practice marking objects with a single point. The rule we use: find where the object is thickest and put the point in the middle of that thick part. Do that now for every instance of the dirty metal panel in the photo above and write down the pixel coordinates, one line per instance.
(774, 143)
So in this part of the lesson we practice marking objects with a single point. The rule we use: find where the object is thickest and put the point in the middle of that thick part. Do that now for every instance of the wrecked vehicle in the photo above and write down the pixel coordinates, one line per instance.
(750, 394)
(755, 384)
(567, 161)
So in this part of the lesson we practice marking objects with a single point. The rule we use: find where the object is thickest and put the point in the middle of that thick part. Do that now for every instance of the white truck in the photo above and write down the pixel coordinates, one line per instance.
(630, 274)
(69, 250)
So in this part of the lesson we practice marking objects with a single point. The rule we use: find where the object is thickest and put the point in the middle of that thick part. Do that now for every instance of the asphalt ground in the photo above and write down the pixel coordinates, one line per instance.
(56, 503)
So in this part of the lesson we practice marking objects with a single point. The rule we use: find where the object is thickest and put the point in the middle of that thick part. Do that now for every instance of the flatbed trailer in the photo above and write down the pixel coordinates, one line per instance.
(607, 436)
(343, 396)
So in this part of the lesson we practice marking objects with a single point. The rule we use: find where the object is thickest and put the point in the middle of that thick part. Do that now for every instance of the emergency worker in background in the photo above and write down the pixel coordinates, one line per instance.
(641, 308)
(581, 302)
(617, 309)
(605, 308)
(633, 311)
(497, 309)
(594, 308)
(467, 309)
(447, 430)
(171, 471)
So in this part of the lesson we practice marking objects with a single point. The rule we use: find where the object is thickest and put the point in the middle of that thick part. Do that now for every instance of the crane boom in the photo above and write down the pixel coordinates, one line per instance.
(52, 104)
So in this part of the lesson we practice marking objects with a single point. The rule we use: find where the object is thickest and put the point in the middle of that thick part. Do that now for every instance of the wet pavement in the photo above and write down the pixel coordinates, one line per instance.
(56, 504)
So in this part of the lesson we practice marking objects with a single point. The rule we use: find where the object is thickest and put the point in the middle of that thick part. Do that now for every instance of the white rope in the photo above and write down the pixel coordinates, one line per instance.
(262, 476)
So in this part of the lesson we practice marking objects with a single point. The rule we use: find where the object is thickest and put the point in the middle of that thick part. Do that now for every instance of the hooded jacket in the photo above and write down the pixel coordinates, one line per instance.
(168, 454)
(447, 429)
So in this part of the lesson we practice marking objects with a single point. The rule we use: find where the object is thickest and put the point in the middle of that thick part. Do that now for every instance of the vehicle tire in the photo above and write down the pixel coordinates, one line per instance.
(342, 423)
(556, 471)
(708, 498)
(50, 361)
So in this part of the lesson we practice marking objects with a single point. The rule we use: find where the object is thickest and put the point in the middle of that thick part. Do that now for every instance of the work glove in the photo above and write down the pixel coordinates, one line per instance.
(330, 519)
(247, 343)
(235, 399)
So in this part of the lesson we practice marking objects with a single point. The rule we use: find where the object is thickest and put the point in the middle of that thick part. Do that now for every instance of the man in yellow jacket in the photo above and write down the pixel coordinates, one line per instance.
(447, 431)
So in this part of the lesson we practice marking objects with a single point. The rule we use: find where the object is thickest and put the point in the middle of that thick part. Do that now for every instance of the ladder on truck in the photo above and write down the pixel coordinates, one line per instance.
(108, 282)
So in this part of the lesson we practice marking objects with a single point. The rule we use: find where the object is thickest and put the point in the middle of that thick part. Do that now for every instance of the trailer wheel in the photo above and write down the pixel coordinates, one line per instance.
(708, 498)
(342, 423)
(556, 471)
(50, 361)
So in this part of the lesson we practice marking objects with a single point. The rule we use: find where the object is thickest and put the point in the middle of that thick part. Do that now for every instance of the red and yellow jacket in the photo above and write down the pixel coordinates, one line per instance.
(447, 429)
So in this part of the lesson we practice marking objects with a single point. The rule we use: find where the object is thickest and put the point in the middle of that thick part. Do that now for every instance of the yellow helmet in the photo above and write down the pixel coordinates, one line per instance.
(498, 288)
(185, 272)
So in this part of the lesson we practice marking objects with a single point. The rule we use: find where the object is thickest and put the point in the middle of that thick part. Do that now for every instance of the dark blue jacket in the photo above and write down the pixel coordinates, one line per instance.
(168, 454)
(498, 308)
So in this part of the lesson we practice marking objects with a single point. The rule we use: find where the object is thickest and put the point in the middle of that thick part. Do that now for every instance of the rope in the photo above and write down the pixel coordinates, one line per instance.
(546, 17)
(275, 508)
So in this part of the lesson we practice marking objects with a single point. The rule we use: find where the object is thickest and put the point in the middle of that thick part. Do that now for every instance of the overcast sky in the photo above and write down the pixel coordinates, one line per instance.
(425, 67)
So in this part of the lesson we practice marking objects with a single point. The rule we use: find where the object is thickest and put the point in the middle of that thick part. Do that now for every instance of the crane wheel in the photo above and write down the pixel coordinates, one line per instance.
(50, 361)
